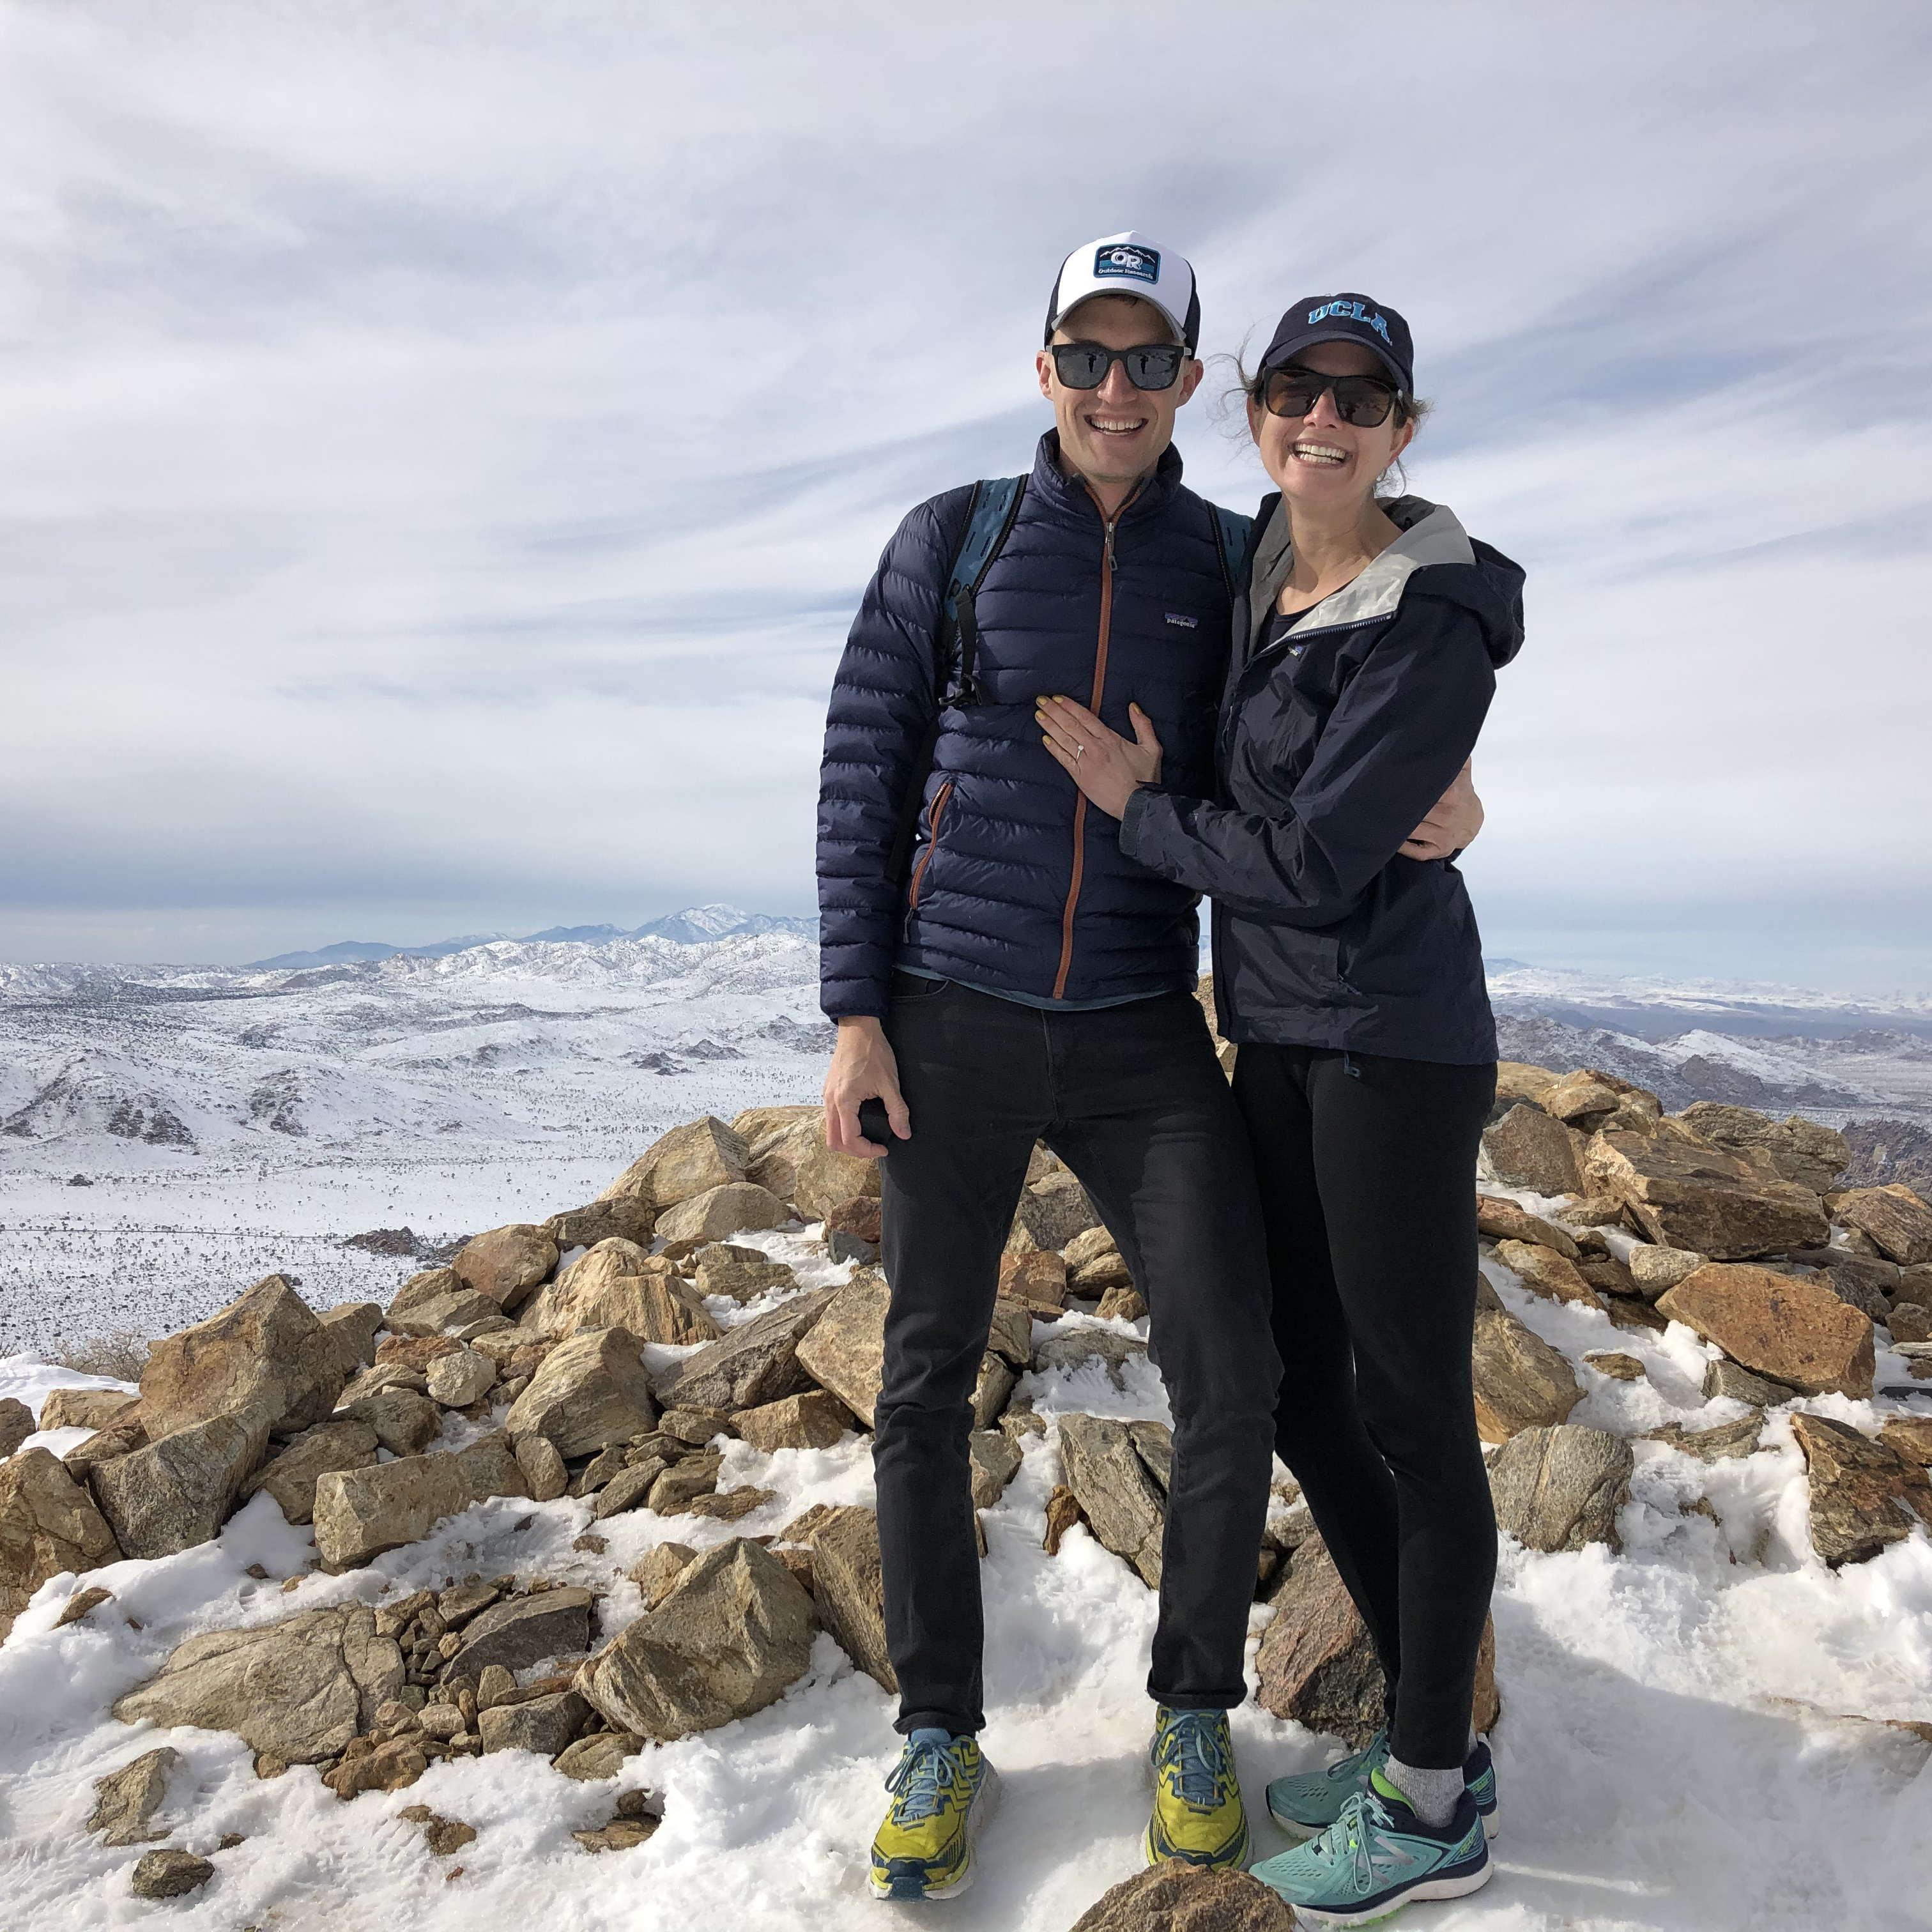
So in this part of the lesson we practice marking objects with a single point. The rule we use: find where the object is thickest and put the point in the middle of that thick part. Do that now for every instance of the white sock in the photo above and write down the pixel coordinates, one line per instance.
(1433, 1796)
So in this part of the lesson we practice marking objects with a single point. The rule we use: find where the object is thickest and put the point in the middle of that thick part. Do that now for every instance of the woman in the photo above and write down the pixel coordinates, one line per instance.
(1350, 976)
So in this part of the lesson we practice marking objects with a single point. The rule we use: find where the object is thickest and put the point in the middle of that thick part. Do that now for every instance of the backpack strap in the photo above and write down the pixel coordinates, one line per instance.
(1231, 531)
(995, 508)
(991, 513)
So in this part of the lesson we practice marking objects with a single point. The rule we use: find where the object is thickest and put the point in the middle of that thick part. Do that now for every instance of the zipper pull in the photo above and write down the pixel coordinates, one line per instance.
(1110, 547)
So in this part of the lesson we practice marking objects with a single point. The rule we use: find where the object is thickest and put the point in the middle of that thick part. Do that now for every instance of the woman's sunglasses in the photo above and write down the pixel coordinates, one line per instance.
(1359, 400)
(1083, 365)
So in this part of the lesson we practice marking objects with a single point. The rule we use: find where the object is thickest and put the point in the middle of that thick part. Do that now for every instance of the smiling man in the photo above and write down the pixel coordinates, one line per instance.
(1002, 974)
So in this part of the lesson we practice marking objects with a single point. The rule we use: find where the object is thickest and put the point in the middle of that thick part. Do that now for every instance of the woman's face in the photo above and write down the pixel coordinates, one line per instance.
(1318, 459)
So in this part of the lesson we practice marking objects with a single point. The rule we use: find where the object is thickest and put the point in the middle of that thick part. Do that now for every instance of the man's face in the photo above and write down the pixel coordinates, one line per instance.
(1114, 434)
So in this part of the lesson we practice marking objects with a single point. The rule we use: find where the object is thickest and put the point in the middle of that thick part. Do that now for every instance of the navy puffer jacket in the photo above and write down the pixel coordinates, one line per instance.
(1336, 741)
(1015, 883)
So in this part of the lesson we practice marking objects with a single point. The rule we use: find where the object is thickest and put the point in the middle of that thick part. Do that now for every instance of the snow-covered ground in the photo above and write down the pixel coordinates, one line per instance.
(1757, 1005)
(1688, 1741)
(228, 1121)
(225, 1122)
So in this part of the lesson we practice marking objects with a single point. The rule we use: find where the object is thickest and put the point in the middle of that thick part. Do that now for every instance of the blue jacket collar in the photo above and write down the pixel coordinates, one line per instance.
(1070, 493)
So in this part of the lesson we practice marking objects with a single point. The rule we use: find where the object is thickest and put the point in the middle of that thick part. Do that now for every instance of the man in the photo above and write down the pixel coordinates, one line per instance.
(1021, 981)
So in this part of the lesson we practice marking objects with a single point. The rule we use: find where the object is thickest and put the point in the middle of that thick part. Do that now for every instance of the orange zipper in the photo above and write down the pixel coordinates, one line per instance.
(937, 806)
(1080, 798)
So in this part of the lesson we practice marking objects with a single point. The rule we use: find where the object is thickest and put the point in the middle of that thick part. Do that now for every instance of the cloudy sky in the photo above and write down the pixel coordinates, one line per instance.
(442, 444)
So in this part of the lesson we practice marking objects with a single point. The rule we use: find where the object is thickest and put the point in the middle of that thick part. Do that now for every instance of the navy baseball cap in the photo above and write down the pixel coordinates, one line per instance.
(1345, 318)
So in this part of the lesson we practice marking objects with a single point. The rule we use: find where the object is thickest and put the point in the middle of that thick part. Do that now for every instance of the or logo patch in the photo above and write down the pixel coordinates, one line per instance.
(1175, 617)
(1122, 259)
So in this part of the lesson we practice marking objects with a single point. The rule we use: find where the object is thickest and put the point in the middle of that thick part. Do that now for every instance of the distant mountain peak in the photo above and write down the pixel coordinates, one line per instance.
(343, 952)
(575, 935)
(694, 925)
(361, 952)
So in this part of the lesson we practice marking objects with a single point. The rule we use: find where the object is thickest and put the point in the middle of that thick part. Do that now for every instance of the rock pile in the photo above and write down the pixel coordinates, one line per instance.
(1728, 1222)
(1722, 1218)
(523, 1369)
(518, 1370)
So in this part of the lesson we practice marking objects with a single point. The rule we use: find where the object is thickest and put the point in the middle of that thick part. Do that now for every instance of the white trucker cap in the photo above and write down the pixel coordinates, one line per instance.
(1128, 265)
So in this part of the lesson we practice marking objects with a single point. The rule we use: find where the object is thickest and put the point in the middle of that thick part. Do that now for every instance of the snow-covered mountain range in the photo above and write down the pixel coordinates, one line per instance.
(691, 927)
(168, 1132)
(1659, 1009)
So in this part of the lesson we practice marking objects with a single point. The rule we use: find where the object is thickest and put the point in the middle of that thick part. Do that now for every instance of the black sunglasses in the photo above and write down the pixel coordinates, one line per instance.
(1083, 365)
(1293, 392)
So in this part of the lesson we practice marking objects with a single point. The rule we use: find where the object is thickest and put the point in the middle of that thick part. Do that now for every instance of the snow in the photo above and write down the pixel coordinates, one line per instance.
(153, 1069)
(1511, 980)
(228, 1122)
(1688, 1743)
(251, 1120)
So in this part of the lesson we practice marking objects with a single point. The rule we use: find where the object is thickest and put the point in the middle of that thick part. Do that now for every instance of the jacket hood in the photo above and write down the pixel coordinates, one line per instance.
(1434, 556)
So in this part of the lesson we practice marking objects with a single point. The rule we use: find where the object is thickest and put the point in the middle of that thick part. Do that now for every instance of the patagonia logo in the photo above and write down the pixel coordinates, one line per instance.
(1183, 623)
(1122, 258)
(1349, 311)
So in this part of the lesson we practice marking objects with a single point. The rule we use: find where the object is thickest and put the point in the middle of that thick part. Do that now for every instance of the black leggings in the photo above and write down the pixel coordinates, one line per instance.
(1367, 1171)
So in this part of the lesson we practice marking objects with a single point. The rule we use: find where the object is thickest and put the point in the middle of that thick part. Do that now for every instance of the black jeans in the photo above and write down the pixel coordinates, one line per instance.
(1131, 1099)
(1367, 1171)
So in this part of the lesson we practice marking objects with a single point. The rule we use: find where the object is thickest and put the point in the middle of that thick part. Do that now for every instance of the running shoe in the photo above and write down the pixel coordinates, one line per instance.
(1311, 1802)
(942, 1792)
(1377, 1857)
(1197, 1815)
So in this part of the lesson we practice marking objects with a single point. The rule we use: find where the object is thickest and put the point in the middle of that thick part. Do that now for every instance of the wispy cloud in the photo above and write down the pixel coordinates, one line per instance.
(444, 443)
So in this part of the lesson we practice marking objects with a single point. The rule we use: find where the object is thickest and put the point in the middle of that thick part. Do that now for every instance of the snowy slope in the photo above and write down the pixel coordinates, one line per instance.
(232, 1119)
(1653, 1007)
(1690, 1743)
(217, 1114)
(1687, 1741)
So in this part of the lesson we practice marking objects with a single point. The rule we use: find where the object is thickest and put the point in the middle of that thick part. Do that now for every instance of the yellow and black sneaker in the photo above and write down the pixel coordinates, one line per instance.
(942, 1792)
(1198, 1814)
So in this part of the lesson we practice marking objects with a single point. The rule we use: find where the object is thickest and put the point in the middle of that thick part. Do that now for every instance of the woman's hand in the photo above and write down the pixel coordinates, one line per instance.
(863, 1068)
(1452, 823)
(1106, 766)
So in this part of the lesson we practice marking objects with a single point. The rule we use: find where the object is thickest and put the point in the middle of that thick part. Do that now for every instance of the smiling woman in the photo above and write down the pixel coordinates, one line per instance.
(1348, 971)
(1352, 377)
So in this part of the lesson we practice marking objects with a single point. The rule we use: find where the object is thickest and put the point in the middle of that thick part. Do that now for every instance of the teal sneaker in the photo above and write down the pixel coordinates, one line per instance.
(1311, 1802)
(1377, 1857)
(1198, 1817)
(944, 1792)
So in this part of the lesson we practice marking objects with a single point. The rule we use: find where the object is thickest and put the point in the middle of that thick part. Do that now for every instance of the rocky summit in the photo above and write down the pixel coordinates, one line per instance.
(540, 1497)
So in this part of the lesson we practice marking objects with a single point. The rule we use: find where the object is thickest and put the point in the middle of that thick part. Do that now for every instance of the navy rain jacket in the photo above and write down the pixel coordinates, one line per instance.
(1015, 883)
(1333, 745)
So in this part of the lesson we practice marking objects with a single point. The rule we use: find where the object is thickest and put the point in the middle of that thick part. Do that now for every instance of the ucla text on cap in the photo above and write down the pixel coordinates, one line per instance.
(1123, 259)
(1353, 312)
